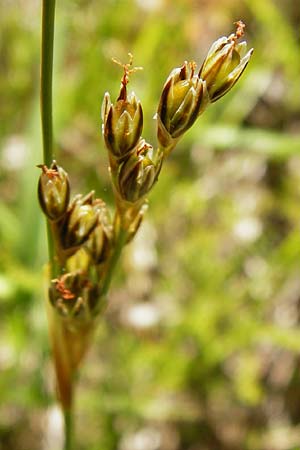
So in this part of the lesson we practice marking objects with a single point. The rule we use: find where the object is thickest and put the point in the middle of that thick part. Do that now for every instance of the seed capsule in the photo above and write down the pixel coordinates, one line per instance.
(80, 220)
(186, 94)
(99, 242)
(122, 123)
(53, 191)
(139, 172)
(225, 63)
(183, 99)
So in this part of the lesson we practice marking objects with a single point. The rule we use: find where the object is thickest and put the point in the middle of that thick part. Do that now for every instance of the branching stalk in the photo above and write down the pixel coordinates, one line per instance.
(119, 244)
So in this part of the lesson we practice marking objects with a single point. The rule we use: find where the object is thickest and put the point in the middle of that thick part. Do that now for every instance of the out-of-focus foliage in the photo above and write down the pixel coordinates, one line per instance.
(199, 347)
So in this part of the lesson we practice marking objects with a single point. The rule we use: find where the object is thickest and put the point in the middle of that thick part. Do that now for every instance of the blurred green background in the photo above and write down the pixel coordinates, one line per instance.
(199, 348)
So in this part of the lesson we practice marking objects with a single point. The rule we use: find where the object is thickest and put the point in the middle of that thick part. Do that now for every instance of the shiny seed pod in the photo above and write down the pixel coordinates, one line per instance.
(225, 62)
(80, 220)
(53, 191)
(139, 172)
(122, 123)
(184, 98)
(186, 94)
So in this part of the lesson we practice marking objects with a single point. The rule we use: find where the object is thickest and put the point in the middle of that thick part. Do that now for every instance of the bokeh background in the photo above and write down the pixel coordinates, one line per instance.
(199, 348)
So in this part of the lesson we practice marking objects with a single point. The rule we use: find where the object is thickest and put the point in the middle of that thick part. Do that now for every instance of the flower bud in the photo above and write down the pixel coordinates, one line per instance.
(225, 63)
(122, 123)
(139, 172)
(183, 99)
(80, 220)
(98, 244)
(73, 295)
(53, 191)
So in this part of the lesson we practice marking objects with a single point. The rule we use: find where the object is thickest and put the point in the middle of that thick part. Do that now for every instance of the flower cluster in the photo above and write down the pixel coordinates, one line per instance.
(80, 225)
(134, 164)
(87, 243)
(186, 93)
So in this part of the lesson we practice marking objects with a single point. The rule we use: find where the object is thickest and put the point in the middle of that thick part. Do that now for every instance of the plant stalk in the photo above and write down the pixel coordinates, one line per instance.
(68, 420)
(48, 20)
(48, 17)
(120, 242)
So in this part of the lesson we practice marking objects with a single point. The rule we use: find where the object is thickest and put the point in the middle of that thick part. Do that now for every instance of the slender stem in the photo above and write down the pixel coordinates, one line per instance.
(48, 19)
(68, 419)
(120, 242)
(46, 78)
(48, 16)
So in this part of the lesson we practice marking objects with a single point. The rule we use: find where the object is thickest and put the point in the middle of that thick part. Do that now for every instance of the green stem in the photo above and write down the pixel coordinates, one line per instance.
(68, 419)
(48, 20)
(120, 242)
(46, 78)
(48, 17)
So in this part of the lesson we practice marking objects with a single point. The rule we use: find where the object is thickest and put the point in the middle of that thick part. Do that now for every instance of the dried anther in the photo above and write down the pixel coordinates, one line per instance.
(240, 30)
(73, 295)
(66, 294)
(128, 69)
